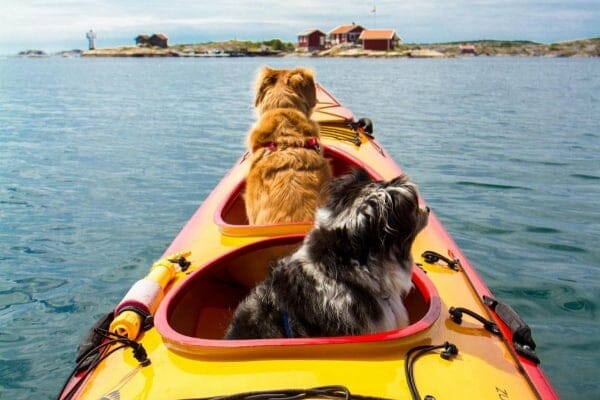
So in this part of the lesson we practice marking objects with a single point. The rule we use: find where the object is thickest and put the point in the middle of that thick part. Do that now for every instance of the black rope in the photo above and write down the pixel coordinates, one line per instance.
(139, 352)
(322, 392)
(89, 368)
(413, 354)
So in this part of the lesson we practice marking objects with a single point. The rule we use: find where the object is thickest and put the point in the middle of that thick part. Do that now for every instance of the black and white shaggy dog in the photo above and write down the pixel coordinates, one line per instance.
(352, 271)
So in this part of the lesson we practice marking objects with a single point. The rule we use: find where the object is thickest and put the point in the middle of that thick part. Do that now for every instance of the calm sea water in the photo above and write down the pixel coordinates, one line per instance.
(102, 161)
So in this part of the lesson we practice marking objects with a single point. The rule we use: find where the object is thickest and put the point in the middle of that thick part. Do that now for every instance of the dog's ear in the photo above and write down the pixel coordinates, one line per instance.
(399, 180)
(266, 78)
(342, 190)
(303, 80)
(299, 77)
(405, 182)
(361, 175)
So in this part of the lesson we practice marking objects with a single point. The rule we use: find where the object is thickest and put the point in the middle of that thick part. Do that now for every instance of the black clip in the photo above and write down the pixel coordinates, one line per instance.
(432, 257)
(521, 333)
(183, 262)
(456, 314)
(363, 125)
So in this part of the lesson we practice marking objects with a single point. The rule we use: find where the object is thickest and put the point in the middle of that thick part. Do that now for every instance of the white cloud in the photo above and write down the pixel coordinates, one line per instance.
(28, 22)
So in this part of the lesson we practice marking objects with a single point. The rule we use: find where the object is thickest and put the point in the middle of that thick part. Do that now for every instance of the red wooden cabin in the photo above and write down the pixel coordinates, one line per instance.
(311, 40)
(345, 34)
(379, 39)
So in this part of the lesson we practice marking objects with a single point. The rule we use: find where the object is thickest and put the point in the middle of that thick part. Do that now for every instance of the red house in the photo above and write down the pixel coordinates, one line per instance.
(311, 39)
(379, 39)
(142, 40)
(159, 40)
(467, 49)
(345, 34)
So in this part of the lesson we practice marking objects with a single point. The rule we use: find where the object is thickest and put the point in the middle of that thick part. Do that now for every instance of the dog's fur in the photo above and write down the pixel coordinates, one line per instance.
(286, 175)
(352, 271)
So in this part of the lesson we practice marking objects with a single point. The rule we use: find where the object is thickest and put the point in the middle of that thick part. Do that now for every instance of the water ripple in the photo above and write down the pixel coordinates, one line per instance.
(586, 177)
(93, 188)
(14, 373)
(541, 229)
(558, 247)
(491, 185)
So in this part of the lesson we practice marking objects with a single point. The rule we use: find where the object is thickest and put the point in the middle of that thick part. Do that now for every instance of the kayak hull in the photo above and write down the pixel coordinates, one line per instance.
(188, 358)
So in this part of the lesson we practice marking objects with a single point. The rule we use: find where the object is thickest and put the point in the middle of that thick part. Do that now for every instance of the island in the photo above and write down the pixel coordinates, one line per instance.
(277, 48)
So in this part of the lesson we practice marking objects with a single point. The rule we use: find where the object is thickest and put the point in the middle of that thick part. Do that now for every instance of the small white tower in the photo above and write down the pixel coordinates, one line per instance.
(91, 37)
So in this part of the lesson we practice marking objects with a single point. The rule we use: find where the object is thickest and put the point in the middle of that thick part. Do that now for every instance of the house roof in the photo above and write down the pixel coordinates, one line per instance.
(341, 29)
(160, 36)
(378, 34)
(310, 31)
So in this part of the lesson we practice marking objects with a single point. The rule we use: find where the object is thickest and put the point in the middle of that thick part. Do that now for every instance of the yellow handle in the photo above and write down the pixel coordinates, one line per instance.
(127, 323)
(164, 269)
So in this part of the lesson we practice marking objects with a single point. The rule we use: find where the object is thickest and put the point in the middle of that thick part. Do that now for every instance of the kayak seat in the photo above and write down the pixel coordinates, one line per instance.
(194, 316)
(231, 215)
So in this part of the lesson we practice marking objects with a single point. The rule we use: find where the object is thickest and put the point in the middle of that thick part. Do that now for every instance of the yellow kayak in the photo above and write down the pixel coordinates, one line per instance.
(164, 339)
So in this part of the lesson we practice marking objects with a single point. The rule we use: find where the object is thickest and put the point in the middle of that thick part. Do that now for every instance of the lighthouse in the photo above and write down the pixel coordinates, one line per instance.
(91, 37)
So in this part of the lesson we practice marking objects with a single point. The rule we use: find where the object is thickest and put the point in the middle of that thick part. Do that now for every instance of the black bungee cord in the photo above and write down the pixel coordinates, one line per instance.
(450, 350)
(139, 352)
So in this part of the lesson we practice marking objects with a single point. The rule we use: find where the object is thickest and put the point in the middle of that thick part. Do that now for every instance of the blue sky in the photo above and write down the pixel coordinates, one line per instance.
(53, 25)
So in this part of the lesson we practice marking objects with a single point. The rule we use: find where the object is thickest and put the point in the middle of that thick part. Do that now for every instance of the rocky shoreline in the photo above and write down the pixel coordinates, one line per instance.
(575, 48)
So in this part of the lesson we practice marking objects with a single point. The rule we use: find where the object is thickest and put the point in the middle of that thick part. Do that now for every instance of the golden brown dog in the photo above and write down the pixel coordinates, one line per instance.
(287, 170)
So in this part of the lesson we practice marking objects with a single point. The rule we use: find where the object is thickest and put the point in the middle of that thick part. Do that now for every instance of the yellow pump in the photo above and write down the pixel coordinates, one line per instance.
(143, 298)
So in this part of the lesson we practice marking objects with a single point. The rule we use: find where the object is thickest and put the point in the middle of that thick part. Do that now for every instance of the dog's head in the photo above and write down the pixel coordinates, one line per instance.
(285, 88)
(375, 216)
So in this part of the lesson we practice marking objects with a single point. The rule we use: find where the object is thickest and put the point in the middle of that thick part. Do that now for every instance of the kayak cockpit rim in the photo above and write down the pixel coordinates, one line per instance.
(194, 316)
(230, 215)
